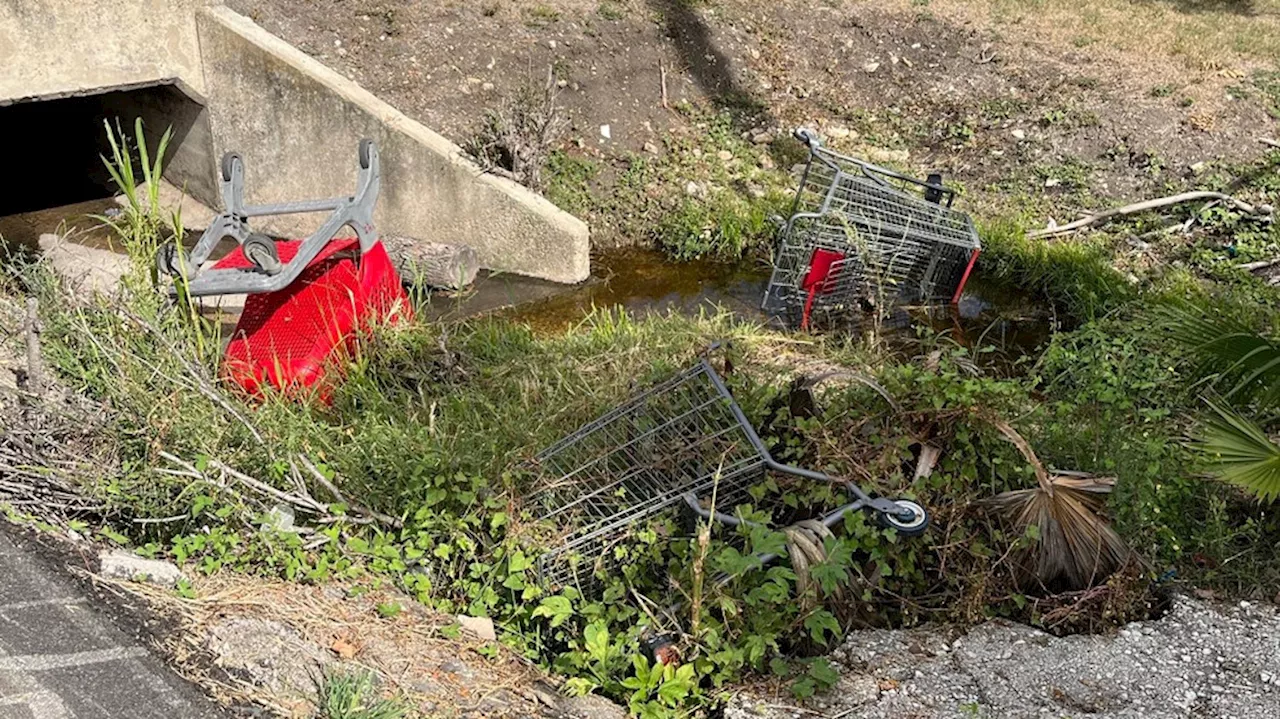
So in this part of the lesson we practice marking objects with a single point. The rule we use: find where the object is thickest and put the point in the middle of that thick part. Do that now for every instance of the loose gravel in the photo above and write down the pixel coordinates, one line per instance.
(1200, 660)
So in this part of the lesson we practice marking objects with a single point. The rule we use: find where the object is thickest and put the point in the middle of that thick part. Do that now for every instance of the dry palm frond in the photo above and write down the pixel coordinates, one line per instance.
(1076, 547)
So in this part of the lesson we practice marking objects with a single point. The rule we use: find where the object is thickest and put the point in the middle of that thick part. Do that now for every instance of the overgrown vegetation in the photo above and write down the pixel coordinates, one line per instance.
(433, 426)
(520, 136)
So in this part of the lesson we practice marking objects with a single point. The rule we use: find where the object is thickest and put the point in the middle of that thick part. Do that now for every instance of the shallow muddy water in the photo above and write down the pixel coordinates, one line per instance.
(78, 222)
(645, 282)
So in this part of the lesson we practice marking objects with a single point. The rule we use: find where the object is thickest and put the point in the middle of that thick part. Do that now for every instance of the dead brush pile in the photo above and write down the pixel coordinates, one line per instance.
(518, 137)
(51, 451)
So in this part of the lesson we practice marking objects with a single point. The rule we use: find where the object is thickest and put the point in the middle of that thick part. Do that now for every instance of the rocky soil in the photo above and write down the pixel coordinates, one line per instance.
(1003, 110)
(1200, 660)
(271, 643)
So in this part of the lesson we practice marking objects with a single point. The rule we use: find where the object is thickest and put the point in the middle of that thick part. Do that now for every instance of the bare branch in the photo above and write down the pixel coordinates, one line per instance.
(333, 489)
(1146, 205)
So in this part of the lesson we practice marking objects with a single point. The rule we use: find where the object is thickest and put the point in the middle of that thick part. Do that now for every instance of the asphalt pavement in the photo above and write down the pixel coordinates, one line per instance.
(62, 657)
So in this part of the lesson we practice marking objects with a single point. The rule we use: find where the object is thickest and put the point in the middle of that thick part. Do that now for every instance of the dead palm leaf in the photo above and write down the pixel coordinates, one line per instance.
(1076, 547)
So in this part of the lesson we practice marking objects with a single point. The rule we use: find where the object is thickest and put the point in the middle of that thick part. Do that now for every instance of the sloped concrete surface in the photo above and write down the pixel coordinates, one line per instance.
(62, 659)
(297, 124)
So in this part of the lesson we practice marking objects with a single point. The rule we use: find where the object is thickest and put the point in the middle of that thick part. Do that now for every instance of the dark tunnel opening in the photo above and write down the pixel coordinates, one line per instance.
(59, 145)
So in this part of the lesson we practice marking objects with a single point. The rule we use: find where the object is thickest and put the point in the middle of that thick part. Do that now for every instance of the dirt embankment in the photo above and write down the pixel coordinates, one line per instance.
(1015, 115)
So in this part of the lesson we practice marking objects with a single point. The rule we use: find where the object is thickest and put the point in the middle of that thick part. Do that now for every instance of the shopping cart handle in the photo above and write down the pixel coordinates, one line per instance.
(266, 272)
(807, 136)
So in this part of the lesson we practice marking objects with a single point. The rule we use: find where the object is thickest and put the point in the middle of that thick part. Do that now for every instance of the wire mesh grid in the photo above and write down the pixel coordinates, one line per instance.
(635, 461)
(862, 232)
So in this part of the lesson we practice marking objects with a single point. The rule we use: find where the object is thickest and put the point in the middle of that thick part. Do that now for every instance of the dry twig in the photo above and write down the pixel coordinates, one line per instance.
(1146, 205)
(35, 362)
(662, 73)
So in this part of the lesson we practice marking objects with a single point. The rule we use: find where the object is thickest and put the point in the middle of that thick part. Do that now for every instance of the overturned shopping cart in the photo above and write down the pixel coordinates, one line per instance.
(864, 238)
(682, 441)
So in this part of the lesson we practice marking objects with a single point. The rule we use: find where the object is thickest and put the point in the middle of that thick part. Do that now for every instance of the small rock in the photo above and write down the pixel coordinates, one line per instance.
(724, 155)
(551, 44)
(1052, 182)
(488, 86)
(606, 132)
(87, 269)
(457, 668)
(651, 148)
(764, 137)
(871, 66)
(1198, 167)
(693, 189)
(482, 627)
(766, 162)
(1019, 134)
(123, 564)
(859, 689)
(591, 706)
(836, 132)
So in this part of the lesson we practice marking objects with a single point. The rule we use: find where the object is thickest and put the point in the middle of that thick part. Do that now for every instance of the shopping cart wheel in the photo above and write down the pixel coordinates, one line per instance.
(918, 522)
(261, 251)
(366, 153)
(229, 161)
(170, 260)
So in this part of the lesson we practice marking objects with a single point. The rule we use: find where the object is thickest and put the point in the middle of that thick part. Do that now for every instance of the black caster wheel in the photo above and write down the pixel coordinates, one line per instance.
(366, 153)
(914, 524)
(172, 261)
(261, 251)
(229, 161)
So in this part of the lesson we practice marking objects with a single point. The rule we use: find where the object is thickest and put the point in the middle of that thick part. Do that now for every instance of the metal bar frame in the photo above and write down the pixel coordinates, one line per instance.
(355, 211)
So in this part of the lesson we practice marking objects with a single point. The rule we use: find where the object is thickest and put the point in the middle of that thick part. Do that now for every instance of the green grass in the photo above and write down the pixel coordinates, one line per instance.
(1076, 277)
(434, 423)
(542, 15)
(1268, 84)
(611, 11)
(570, 184)
(346, 695)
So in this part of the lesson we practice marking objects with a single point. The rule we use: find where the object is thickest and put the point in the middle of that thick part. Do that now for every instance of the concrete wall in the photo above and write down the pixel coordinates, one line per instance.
(297, 124)
(57, 48)
(190, 163)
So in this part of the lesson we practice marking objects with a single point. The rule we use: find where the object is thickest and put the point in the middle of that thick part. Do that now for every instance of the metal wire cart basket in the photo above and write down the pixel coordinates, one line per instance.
(678, 442)
(862, 238)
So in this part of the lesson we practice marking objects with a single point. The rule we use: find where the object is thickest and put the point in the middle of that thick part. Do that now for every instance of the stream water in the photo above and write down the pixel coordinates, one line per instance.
(644, 281)
(77, 222)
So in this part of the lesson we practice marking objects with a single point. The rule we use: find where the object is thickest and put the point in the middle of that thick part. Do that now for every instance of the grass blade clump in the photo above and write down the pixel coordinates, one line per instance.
(346, 695)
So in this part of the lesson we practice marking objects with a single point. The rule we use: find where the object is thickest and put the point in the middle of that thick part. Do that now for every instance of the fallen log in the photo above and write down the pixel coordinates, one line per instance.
(1146, 205)
(431, 264)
